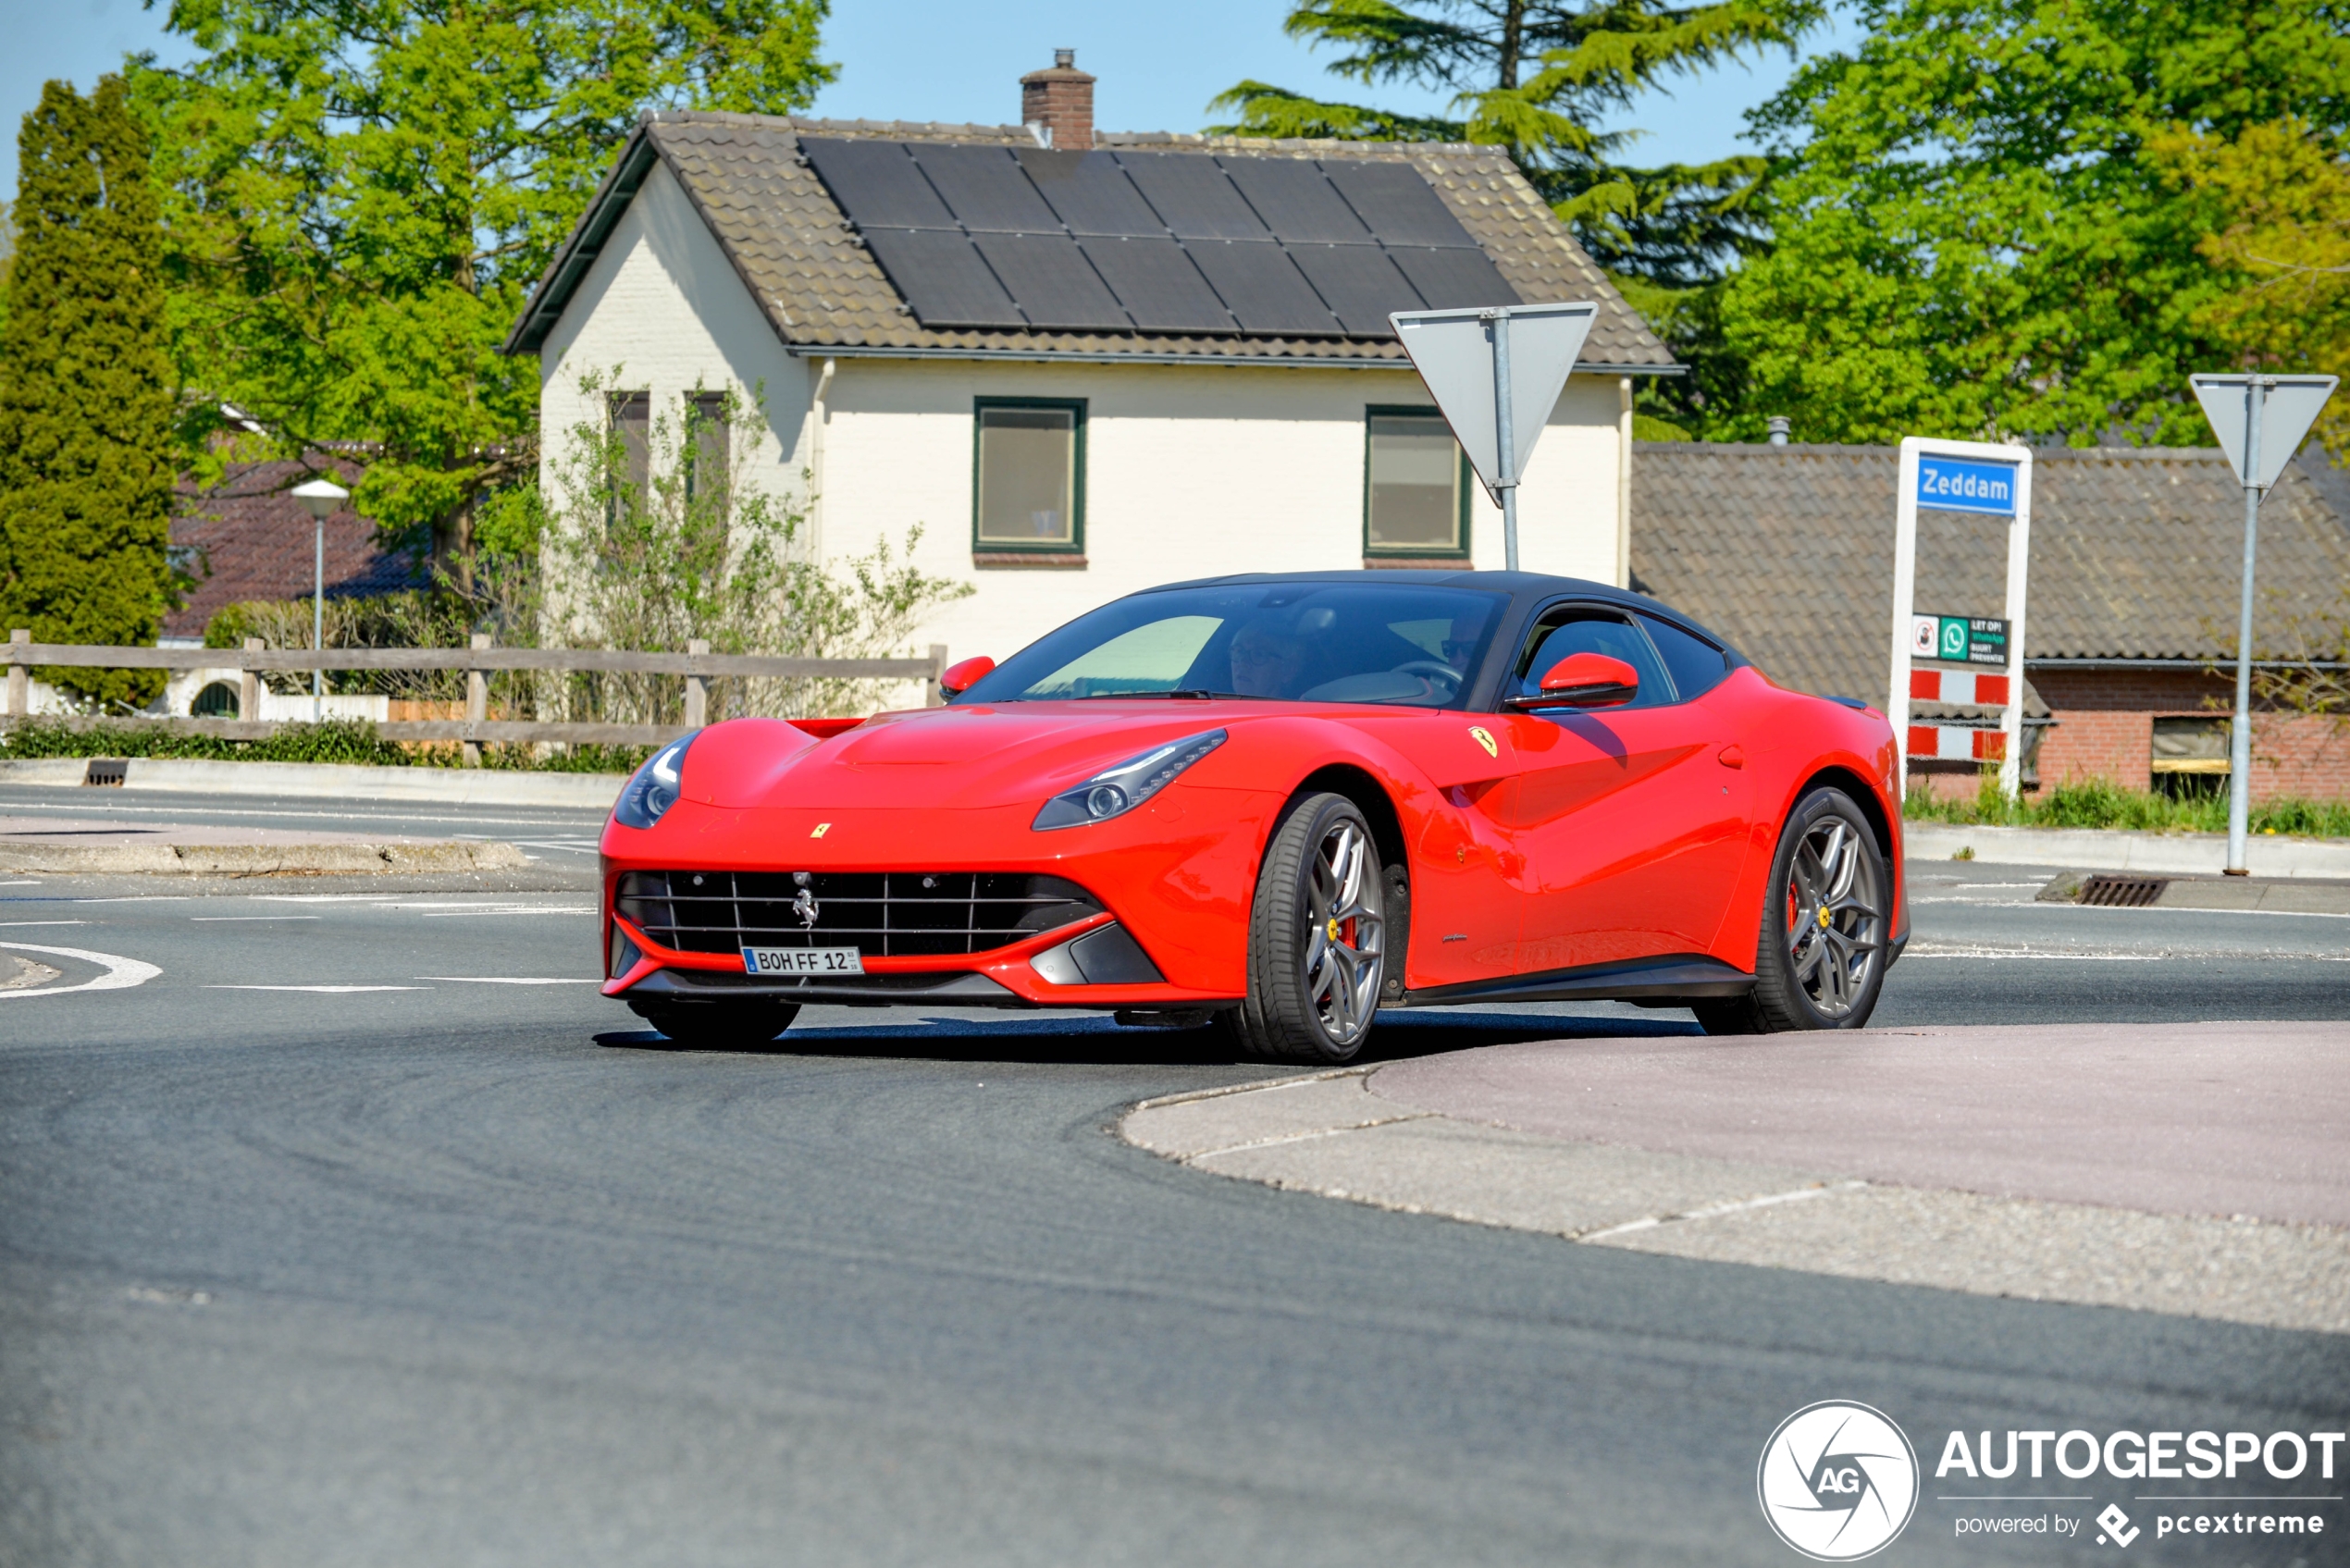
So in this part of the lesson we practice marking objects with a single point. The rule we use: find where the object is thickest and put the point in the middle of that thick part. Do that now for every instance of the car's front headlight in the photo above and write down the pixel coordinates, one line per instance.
(653, 788)
(1116, 791)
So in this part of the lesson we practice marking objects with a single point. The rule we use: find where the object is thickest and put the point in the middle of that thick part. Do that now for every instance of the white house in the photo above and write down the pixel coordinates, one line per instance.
(1087, 363)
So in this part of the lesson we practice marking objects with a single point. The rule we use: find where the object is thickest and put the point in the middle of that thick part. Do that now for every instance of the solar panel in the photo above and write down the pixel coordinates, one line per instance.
(1049, 276)
(875, 183)
(1454, 279)
(1158, 285)
(938, 273)
(1192, 196)
(1090, 192)
(1359, 283)
(995, 236)
(1263, 287)
(1296, 203)
(1400, 207)
(985, 188)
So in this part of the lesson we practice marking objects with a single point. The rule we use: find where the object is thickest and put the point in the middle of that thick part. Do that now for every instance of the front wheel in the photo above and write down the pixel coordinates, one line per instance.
(1317, 939)
(1819, 960)
(741, 1025)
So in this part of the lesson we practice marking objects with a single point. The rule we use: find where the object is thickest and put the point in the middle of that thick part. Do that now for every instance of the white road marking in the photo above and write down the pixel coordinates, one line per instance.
(1714, 1211)
(20, 884)
(502, 980)
(217, 920)
(451, 914)
(12, 925)
(121, 973)
(323, 990)
(2114, 954)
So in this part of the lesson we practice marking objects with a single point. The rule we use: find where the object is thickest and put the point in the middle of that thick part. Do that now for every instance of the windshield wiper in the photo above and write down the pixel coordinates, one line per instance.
(1194, 693)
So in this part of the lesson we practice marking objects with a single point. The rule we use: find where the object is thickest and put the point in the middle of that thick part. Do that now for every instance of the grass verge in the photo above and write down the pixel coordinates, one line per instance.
(2100, 805)
(334, 741)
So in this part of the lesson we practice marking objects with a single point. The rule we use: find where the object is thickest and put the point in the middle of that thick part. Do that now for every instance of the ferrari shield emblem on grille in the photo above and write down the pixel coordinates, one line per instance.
(805, 906)
(1484, 737)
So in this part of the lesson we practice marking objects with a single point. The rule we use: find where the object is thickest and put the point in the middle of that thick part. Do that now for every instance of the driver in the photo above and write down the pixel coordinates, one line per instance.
(1265, 663)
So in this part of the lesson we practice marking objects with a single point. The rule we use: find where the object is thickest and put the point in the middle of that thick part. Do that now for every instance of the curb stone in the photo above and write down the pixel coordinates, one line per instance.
(260, 859)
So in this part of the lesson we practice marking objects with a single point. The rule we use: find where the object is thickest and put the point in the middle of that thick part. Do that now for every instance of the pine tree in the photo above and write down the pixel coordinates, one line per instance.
(86, 405)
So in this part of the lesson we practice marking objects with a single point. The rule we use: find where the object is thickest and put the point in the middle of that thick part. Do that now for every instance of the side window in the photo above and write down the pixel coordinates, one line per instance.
(1028, 476)
(1697, 665)
(1580, 630)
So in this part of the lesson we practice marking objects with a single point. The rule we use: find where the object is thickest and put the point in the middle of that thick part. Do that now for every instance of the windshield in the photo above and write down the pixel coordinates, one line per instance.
(1295, 642)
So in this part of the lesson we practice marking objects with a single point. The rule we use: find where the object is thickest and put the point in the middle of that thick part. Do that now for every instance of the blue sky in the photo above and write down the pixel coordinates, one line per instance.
(954, 60)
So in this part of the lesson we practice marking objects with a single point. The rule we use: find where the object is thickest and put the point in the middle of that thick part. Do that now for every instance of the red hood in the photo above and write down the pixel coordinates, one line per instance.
(951, 758)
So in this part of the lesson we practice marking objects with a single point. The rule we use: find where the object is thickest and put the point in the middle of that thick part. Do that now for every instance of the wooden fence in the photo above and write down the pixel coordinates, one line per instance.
(697, 666)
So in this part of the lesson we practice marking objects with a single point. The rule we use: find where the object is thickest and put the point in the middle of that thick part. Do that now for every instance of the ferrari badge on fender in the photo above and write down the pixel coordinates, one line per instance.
(1484, 737)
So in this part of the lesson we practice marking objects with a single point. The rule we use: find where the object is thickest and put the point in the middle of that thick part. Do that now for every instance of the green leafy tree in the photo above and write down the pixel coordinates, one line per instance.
(86, 403)
(2278, 208)
(1538, 77)
(361, 192)
(1972, 237)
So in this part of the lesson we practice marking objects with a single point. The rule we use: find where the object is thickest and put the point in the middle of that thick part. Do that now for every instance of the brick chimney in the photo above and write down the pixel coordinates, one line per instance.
(1061, 101)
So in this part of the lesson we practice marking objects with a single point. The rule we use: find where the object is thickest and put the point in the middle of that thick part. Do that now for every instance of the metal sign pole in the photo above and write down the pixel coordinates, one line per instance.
(1505, 433)
(2239, 733)
(2019, 575)
(319, 622)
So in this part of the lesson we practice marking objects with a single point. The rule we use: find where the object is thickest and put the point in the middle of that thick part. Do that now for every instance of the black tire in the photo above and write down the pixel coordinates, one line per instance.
(1819, 960)
(1316, 938)
(719, 1026)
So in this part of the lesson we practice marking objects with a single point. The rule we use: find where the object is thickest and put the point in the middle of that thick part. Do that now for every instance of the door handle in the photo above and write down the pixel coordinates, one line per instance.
(1731, 757)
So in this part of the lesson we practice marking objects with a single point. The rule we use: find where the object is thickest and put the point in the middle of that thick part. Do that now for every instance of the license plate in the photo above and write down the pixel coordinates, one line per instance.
(802, 960)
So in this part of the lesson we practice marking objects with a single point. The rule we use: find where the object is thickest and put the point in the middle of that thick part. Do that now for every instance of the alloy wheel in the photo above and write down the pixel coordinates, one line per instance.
(1344, 944)
(1836, 917)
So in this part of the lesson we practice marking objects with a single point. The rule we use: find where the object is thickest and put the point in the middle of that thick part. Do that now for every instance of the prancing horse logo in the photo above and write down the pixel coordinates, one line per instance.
(805, 906)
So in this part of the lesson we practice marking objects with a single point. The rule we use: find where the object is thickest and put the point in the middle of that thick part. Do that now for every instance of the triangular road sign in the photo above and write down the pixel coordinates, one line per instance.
(2289, 405)
(1452, 350)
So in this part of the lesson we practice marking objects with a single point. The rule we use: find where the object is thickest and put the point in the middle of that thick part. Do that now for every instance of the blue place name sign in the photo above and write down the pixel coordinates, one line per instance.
(1957, 485)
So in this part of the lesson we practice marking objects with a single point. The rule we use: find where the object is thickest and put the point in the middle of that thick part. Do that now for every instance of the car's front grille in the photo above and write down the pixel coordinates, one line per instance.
(882, 914)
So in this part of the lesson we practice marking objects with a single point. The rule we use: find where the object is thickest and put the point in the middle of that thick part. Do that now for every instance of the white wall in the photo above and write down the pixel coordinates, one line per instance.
(633, 311)
(1192, 472)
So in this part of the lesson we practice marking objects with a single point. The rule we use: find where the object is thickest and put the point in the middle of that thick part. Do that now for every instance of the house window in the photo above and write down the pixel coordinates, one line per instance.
(2190, 756)
(1415, 485)
(631, 414)
(1028, 476)
(706, 438)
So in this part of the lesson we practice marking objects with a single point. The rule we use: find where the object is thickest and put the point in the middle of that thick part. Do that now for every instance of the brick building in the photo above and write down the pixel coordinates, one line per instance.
(2135, 570)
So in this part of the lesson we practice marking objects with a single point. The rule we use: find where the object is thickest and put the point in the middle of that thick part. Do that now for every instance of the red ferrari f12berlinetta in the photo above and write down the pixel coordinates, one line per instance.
(1282, 803)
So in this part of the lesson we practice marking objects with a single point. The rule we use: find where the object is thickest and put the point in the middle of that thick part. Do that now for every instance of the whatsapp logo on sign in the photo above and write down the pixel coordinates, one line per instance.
(1838, 1481)
(1953, 637)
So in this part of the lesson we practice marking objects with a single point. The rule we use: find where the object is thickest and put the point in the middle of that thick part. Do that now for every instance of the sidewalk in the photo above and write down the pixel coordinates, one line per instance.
(104, 846)
(455, 786)
(2115, 850)
(2189, 1168)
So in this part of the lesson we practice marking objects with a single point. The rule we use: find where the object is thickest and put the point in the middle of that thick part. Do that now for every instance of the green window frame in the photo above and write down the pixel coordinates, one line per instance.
(1458, 550)
(1005, 541)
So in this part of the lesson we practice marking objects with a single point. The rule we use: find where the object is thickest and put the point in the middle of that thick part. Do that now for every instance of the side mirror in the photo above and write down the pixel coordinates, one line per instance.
(957, 679)
(1584, 679)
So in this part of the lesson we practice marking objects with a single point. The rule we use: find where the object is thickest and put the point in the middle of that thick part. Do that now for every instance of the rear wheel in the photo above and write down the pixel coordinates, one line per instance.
(719, 1026)
(1820, 959)
(1316, 938)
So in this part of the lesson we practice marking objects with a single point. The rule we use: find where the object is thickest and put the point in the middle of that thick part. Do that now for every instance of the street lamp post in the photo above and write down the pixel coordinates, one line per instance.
(322, 497)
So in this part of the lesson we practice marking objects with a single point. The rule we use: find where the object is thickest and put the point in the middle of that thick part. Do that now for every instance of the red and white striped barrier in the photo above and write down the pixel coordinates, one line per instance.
(1962, 687)
(1948, 742)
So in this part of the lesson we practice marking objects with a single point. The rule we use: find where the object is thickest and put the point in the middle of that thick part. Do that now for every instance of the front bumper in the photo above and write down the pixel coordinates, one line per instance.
(1175, 876)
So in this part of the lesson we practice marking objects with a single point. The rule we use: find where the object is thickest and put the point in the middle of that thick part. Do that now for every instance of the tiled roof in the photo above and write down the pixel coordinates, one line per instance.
(246, 539)
(2137, 554)
(821, 289)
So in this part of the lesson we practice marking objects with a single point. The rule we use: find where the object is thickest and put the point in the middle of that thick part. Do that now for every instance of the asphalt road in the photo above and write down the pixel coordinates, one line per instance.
(461, 1270)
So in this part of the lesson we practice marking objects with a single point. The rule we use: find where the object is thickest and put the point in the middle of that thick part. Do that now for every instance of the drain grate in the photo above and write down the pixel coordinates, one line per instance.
(2122, 892)
(106, 770)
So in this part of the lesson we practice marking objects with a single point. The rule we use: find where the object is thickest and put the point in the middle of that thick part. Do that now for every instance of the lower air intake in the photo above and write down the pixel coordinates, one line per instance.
(882, 914)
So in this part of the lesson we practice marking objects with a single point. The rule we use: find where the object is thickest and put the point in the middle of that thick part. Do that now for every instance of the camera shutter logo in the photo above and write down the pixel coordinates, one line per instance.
(1838, 1481)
